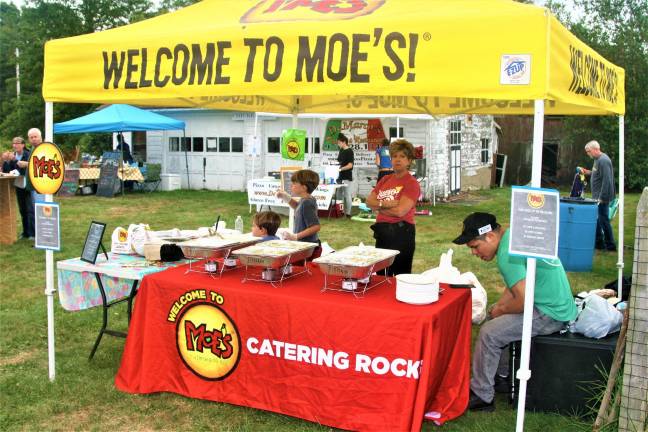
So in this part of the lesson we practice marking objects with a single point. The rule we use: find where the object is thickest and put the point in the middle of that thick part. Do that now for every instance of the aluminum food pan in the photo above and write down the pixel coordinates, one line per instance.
(330, 265)
(193, 251)
(279, 259)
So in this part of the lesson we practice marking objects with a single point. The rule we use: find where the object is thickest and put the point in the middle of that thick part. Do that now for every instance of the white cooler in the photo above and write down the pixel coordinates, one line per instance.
(170, 182)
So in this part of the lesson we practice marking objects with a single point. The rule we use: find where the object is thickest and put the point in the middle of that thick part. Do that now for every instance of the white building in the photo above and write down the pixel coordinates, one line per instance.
(225, 148)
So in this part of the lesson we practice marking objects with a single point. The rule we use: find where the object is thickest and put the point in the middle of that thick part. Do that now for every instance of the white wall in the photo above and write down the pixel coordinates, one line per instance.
(230, 171)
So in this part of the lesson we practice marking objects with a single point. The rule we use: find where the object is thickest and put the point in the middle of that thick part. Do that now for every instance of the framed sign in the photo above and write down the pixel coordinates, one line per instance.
(108, 179)
(93, 242)
(70, 183)
(534, 222)
(286, 175)
(48, 226)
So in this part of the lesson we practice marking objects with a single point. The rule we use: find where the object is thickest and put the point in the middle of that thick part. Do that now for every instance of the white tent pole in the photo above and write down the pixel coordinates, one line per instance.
(621, 204)
(398, 127)
(523, 374)
(49, 261)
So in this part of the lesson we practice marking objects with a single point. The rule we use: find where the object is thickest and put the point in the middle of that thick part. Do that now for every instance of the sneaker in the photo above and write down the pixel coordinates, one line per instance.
(475, 403)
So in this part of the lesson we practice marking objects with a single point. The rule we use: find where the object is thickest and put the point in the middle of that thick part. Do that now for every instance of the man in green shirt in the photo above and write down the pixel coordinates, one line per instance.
(553, 303)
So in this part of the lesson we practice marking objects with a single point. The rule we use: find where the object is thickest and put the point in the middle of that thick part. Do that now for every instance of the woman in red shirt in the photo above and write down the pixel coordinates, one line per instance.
(394, 199)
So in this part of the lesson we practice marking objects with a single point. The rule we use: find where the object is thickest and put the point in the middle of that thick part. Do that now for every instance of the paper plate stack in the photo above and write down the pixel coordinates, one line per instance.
(416, 289)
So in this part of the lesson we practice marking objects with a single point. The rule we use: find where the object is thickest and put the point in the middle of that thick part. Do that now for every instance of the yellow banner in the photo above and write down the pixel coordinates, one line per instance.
(482, 56)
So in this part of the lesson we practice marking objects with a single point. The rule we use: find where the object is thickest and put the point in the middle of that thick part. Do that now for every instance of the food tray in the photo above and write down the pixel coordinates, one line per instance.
(356, 262)
(275, 253)
(212, 247)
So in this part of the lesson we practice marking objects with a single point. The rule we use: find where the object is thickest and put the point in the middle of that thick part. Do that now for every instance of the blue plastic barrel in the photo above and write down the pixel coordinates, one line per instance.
(577, 233)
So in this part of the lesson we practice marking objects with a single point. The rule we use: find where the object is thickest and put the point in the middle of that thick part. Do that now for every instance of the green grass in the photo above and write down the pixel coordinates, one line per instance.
(83, 396)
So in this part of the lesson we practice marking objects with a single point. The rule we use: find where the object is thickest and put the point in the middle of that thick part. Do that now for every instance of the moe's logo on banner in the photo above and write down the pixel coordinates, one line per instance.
(206, 337)
(309, 10)
(46, 168)
(293, 144)
(536, 200)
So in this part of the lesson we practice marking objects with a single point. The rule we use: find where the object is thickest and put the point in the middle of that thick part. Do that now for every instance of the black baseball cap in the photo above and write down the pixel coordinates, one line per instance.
(476, 224)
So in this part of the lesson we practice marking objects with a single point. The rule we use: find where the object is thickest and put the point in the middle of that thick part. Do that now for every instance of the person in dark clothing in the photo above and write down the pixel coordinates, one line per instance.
(123, 147)
(345, 159)
(602, 181)
(10, 162)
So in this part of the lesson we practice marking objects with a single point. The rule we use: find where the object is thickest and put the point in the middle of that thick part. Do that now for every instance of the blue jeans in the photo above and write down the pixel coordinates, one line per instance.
(604, 233)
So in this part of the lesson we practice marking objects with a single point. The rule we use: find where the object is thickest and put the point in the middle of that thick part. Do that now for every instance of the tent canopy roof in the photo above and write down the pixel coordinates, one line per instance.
(119, 118)
(383, 56)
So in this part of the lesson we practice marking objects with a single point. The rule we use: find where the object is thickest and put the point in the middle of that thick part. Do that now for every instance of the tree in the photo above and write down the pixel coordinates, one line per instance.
(28, 29)
(618, 30)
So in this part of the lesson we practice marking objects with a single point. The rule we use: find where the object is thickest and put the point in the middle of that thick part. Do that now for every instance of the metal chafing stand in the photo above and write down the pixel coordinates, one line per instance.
(274, 261)
(212, 249)
(352, 269)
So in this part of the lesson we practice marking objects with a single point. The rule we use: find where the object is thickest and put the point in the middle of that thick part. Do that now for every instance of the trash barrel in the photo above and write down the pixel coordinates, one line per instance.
(577, 233)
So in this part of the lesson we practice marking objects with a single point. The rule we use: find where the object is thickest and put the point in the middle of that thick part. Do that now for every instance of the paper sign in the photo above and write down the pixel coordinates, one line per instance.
(534, 222)
(48, 226)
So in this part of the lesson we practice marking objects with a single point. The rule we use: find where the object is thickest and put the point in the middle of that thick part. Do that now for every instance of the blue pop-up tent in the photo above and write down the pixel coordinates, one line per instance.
(119, 118)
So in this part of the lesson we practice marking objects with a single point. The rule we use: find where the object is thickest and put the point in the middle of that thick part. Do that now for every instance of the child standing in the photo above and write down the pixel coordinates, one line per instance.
(307, 224)
(265, 224)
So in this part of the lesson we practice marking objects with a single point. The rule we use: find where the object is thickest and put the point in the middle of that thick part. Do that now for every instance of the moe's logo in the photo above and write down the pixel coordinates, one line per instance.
(309, 10)
(206, 337)
(46, 168)
(292, 148)
(536, 200)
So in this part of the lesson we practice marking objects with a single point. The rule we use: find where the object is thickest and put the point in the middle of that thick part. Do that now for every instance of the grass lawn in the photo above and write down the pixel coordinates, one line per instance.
(83, 397)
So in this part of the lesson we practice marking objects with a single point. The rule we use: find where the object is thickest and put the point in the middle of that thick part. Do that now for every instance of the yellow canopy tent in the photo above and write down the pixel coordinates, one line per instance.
(296, 56)
(353, 56)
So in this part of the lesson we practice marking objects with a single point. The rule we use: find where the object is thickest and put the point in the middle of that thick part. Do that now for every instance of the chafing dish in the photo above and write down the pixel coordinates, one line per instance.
(275, 253)
(353, 268)
(356, 262)
(214, 247)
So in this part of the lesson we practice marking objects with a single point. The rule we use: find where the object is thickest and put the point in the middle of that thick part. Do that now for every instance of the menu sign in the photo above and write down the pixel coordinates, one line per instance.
(108, 181)
(70, 183)
(286, 176)
(93, 242)
(48, 227)
(534, 222)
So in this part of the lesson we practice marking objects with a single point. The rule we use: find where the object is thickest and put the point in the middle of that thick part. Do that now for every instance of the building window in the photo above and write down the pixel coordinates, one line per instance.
(198, 144)
(316, 141)
(223, 145)
(274, 145)
(212, 144)
(392, 133)
(485, 150)
(185, 144)
(455, 132)
(174, 144)
(237, 144)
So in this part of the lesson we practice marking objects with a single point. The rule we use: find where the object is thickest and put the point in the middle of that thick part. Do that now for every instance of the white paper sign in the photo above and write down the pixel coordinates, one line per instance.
(262, 192)
(534, 222)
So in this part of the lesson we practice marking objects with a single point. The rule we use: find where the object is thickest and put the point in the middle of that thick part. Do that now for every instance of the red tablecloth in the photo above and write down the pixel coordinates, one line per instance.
(364, 364)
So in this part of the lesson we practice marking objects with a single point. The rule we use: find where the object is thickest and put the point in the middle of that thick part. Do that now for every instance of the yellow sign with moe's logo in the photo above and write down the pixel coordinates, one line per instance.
(46, 168)
(207, 338)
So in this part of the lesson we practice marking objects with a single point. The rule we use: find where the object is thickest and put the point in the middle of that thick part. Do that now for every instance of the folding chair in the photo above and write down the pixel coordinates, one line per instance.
(151, 177)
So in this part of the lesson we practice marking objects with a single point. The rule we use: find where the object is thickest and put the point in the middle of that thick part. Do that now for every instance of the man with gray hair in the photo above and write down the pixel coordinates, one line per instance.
(602, 181)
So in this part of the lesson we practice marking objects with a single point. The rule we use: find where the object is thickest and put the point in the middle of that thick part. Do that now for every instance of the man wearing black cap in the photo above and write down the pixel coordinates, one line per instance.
(553, 303)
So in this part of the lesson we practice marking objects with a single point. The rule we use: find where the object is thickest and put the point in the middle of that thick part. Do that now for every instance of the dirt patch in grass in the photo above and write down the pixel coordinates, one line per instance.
(18, 358)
